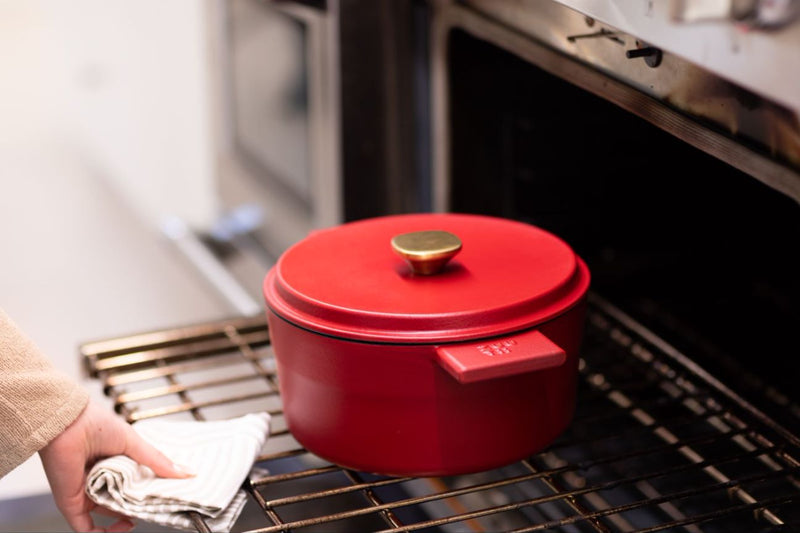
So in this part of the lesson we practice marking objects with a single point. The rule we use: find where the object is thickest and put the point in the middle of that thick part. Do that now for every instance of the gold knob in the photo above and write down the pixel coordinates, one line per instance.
(427, 252)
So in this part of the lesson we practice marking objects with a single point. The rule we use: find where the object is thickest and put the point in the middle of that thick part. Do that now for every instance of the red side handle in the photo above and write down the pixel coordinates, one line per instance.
(482, 360)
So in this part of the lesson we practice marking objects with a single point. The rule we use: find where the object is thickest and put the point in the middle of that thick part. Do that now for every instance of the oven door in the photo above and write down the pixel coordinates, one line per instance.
(278, 116)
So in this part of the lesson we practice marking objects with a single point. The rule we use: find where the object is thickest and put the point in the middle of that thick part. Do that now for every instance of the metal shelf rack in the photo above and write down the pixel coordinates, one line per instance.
(657, 443)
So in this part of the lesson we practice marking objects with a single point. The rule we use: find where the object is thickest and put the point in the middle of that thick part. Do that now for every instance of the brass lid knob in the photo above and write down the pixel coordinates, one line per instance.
(427, 252)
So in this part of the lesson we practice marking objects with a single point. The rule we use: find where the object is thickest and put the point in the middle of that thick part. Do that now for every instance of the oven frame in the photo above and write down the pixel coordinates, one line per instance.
(545, 50)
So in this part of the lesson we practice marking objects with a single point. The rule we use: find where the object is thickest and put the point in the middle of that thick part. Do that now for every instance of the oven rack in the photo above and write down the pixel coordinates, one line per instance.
(657, 443)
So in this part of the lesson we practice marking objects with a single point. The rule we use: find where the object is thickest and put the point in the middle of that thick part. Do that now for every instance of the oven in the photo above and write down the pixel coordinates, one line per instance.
(275, 82)
(661, 140)
(678, 185)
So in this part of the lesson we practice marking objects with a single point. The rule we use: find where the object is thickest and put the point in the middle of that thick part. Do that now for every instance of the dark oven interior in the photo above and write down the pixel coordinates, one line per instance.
(702, 253)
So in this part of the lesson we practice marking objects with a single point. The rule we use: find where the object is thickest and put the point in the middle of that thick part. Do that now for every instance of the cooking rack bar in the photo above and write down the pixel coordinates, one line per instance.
(656, 444)
(683, 447)
(666, 349)
(183, 336)
(558, 488)
(560, 495)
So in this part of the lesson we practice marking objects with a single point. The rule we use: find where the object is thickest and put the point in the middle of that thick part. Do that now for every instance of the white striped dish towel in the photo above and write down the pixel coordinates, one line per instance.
(220, 452)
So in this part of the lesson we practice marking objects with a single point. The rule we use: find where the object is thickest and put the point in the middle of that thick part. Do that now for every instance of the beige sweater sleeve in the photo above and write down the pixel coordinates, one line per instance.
(36, 401)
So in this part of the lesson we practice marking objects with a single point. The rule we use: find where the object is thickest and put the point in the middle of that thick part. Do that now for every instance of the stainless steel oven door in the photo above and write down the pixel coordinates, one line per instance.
(277, 115)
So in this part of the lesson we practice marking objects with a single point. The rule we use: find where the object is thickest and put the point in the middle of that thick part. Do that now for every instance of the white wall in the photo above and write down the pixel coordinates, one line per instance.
(130, 81)
(98, 97)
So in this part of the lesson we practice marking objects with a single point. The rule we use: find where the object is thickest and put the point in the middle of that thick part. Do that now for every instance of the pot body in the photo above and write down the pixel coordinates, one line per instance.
(394, 409)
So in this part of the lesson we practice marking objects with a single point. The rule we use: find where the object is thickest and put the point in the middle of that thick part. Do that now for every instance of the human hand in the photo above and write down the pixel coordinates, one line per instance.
(95, 434)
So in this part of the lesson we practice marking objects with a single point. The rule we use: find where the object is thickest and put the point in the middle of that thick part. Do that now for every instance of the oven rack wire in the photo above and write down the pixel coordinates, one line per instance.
(657, 443)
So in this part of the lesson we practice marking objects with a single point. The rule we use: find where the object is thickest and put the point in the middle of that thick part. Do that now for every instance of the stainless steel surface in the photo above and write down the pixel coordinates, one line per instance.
(367, 107)
(212, 269)
(657, 443)
(757, 12)
(749, 132)
(745, 52)
(694, 10)
(277, 114)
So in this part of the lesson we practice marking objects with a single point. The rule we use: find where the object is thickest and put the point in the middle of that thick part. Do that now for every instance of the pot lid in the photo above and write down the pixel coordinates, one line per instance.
(355, 281)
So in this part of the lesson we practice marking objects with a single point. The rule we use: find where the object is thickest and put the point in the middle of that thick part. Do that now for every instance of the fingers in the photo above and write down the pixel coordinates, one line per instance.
(63, 460)
(120, 526)
(128, 442)
(76, 511)
(85, 522)
(80, 521)
(93, 435)
(108, 512)
(143, 453)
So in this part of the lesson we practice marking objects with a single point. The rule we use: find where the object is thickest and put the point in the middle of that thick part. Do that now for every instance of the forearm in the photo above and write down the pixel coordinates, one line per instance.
(36, 401)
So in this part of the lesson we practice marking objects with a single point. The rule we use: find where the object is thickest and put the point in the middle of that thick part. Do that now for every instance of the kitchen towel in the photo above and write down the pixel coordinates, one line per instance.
(220, 452)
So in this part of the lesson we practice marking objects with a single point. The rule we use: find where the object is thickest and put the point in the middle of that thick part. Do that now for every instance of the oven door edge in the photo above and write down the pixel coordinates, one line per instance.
(448, 16)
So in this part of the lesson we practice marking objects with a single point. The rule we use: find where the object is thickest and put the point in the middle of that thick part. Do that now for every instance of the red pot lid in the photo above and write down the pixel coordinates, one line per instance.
(349, 282)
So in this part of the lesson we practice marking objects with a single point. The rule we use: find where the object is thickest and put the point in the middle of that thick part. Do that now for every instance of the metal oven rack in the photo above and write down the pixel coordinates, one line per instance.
(657, 444)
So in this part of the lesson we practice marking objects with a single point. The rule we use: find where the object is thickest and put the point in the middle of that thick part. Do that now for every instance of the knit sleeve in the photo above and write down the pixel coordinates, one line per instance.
(37, 402)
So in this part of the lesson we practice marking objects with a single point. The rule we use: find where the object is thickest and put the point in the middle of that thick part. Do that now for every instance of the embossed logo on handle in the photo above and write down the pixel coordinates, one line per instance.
(497, 348)
(477, 361)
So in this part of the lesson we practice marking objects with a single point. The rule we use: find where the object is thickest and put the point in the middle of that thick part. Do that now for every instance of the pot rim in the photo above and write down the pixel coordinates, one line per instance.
(371, 335)
(346, 282)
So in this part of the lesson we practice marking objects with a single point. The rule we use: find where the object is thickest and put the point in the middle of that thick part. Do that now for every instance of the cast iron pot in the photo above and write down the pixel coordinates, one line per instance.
(393, 360)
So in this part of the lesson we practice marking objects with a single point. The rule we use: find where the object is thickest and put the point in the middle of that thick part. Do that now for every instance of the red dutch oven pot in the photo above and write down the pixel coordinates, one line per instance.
(393, 360)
